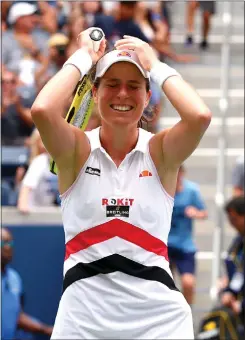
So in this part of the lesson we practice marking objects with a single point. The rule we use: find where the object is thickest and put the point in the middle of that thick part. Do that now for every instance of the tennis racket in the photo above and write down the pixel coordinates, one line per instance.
(82, 105)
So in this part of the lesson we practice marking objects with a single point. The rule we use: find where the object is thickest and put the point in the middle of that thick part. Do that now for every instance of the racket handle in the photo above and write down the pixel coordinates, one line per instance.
(96, 36)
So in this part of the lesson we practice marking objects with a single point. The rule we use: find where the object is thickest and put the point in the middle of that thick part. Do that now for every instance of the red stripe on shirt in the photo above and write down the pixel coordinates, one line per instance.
(118, 228)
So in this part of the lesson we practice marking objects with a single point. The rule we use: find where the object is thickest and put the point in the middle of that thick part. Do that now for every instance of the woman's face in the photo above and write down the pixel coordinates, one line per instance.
(122, 95)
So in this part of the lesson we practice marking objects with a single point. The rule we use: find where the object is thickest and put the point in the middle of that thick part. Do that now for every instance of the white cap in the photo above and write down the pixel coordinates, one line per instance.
(119, 55)
(20, 9)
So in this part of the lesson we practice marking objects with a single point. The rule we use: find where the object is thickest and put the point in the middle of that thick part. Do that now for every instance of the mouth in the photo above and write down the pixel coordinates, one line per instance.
(121, 108)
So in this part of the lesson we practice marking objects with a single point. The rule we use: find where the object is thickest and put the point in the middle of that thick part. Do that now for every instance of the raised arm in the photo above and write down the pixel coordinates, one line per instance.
(181, 140)
(60, 138)
(171, 147)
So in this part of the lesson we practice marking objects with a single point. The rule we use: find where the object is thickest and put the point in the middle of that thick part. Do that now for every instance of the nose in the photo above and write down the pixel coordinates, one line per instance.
(122, 92)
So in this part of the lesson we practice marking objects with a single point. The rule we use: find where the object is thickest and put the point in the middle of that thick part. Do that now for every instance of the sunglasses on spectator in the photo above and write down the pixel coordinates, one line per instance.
(7, 243)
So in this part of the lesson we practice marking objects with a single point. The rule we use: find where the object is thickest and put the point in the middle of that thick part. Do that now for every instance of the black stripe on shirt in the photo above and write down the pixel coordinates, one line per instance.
(119, 263)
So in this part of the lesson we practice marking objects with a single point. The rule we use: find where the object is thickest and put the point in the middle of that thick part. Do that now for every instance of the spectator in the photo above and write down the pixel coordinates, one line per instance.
(24, 46)
(188, 205)
(4, 14)
(76, 24)
(208, 9)
(238, 177)
(90, 9)
(123, 23)
(150, 22)
(109, 7)
(48, 16)
(13, 316)
(57, 56)
(12, 186)
(16, 119)
(63, 13)
(233, 294)
(39, 186)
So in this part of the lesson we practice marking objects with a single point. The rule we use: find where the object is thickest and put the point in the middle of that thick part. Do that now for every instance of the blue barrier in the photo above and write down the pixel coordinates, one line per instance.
(38, 258)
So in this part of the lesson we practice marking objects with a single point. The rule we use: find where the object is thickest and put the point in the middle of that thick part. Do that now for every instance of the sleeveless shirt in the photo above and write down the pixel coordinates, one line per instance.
(117, 281)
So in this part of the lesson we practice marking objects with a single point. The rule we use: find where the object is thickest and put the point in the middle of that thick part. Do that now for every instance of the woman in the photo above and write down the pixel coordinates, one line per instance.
(117, 184)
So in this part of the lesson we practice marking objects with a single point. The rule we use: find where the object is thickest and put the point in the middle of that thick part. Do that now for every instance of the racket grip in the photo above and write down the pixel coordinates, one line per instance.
(96, 45)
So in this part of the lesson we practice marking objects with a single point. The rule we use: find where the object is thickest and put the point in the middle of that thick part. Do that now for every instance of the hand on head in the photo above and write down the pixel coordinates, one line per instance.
(144, 51)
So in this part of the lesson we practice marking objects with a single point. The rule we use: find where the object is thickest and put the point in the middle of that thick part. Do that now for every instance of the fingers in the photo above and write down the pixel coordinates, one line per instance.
(127, 46)
(132, 38)
(122, 42)
(102, 46)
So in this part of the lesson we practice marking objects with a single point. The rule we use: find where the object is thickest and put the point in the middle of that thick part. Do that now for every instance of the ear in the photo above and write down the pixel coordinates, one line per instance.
(94, 92)
(148, 97)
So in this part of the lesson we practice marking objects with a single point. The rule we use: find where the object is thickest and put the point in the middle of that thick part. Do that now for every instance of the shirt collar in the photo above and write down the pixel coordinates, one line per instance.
(96, 144)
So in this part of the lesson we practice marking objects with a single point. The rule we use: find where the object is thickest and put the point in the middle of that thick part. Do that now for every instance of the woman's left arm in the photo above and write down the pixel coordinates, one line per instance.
(178, 142)
(181, 140)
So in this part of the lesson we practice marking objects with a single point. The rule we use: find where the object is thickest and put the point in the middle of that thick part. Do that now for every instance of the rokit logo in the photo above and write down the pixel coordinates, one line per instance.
(117, 207)
(92, 171)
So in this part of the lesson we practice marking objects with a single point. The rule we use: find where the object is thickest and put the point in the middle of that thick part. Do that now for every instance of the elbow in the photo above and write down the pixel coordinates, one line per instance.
(38, 111)
(204, 117)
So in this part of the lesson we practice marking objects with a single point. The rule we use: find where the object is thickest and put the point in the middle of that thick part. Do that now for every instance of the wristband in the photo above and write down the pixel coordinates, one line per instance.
(81, 60)
(160, 72)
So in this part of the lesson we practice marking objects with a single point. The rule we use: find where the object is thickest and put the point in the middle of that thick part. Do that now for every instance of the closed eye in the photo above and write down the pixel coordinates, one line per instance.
(111, 85)
(133, 87)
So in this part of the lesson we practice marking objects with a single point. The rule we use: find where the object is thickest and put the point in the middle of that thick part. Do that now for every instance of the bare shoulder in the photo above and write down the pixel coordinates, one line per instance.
(166, 172)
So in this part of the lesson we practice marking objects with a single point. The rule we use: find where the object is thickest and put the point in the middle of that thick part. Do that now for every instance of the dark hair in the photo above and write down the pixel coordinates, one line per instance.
(237, 204)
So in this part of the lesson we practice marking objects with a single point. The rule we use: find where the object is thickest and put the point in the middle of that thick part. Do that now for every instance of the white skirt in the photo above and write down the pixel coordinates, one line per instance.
(119, 306)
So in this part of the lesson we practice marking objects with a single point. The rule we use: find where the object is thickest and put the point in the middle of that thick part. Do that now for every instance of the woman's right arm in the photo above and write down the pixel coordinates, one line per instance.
(60, 138)
(47, 113)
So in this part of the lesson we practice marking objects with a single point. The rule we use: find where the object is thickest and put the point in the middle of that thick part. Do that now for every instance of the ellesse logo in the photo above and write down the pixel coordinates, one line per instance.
(92, 171)
(145, 173)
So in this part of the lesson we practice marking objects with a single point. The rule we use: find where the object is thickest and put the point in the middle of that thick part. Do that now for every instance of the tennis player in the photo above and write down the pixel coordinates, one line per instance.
(117, 184)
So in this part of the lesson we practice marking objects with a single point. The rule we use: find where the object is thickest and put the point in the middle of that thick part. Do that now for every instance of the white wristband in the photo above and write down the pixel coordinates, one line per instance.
(81, 60)
(160, 72)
